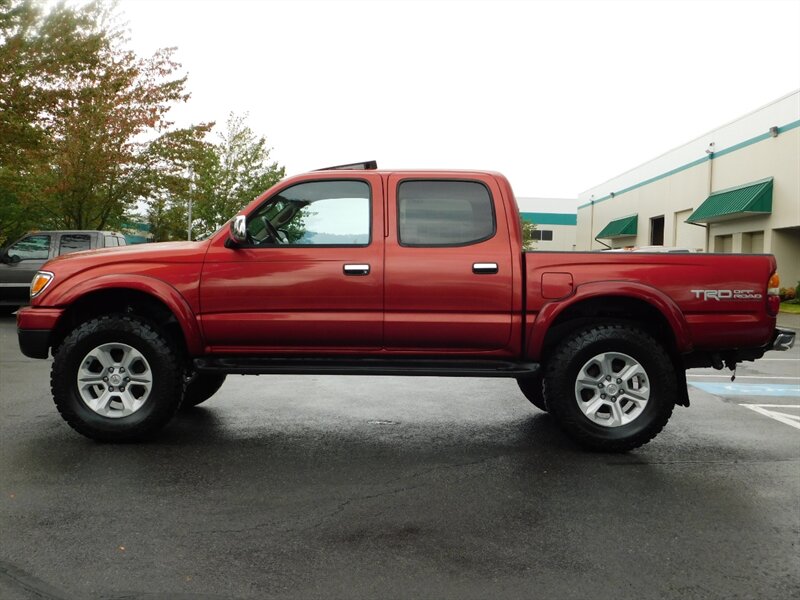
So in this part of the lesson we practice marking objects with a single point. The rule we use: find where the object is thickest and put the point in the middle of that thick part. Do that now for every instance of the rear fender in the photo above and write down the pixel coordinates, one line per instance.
(622, 289)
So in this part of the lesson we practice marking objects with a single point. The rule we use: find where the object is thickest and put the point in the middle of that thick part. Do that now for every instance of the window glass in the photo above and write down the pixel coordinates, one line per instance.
(111, 240)
(121, 241)
(444, 213)
(316, 213)
(542, 235)
(72, 242)
(33, 247)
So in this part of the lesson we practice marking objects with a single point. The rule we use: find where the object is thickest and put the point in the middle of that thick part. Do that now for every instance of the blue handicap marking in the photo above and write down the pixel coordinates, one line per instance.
(750, 389)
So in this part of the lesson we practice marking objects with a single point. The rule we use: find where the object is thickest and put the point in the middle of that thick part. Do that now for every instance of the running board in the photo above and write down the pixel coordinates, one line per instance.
(365, 366)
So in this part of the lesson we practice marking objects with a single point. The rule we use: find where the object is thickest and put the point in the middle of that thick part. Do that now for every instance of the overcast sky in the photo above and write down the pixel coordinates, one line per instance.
(559, 96)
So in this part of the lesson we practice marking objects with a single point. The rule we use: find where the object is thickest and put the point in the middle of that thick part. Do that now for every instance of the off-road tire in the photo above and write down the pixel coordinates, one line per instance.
(201, 387)
(533, 389)
(569, 358)
(167, 379)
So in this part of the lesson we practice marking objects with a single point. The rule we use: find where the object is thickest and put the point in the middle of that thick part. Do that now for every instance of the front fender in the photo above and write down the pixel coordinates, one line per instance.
(157, 288)
(624, 289)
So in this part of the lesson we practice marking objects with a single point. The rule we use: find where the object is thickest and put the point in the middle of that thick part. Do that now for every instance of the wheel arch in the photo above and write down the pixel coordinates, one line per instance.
(152, 299)
(626, 302)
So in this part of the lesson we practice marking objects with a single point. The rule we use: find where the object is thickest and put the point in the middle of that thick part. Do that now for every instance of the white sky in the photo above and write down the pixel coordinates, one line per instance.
(559, 96)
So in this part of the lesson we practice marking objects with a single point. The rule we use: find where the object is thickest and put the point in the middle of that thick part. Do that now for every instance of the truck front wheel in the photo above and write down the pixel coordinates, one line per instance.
(611, 387)
(116, 379)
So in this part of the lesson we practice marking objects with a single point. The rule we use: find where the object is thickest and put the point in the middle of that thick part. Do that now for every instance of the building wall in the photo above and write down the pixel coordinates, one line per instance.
(676, 183)
(551, 214)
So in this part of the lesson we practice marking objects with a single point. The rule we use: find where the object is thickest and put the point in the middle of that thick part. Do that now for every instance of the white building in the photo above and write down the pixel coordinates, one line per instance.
(555, 220)
(734, 189)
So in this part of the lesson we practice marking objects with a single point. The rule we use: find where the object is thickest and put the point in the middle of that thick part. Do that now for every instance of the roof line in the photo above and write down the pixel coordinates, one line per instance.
(694, 163)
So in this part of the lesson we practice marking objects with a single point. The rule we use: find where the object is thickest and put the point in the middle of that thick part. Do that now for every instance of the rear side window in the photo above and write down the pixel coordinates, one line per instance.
(72, 242)
(444, 213)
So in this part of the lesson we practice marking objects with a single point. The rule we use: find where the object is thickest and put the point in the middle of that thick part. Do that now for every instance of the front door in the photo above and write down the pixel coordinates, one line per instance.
(20, 262)
(309, 280)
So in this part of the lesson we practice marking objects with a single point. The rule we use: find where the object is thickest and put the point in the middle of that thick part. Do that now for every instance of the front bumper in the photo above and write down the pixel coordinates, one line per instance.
(783, 340)
(35, 328)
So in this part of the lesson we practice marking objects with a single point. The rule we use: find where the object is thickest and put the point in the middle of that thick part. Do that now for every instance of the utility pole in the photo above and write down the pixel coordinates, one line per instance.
(191, 199)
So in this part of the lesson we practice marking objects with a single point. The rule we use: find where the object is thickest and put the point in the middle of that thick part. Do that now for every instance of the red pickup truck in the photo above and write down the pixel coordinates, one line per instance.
(362, 271)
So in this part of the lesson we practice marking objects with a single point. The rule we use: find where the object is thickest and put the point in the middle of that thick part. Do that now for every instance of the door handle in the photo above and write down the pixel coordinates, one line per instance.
(484, 268)
(356, 269)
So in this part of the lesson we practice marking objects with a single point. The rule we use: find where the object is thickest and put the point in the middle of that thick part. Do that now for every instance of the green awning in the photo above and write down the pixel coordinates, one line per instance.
(735, 203)
(624, 227)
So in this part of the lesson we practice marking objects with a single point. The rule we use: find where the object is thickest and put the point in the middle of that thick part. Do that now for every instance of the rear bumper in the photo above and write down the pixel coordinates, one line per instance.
(783, 340)
(35, 328)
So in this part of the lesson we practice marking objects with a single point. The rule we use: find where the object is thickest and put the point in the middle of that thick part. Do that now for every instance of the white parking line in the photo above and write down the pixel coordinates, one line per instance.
(785, 418)
(743, 376)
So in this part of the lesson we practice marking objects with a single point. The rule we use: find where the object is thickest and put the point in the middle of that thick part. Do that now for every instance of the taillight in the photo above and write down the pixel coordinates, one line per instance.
(774, 295)
(774, 285)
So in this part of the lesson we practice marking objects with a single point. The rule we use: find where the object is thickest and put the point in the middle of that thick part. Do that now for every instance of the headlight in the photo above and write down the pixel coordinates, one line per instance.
(40, 282)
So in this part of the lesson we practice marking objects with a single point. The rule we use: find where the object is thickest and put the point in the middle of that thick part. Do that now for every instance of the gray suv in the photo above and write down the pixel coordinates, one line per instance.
(20, 261)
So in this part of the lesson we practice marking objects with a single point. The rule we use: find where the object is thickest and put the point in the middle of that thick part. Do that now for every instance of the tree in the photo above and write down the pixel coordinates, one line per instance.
(527, 234)
(39, 55)
(229, 174)
(80, 115)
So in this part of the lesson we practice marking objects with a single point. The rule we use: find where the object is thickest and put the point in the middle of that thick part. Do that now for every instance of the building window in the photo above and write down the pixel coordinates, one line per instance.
(542, 235)
(753, 242)
(657, 231)
(723, 243)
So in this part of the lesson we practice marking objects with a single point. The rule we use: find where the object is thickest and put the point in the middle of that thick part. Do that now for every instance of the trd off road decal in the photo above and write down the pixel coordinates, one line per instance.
(726, 295)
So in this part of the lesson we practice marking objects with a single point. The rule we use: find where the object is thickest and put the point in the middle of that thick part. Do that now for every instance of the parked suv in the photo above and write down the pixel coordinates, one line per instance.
(20, 261)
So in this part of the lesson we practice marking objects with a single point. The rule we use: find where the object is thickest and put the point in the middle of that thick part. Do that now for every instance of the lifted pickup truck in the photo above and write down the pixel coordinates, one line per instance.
(367, 272)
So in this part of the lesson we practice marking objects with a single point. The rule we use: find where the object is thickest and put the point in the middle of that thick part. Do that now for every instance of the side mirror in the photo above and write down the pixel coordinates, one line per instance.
(9, 259)
(238, 231)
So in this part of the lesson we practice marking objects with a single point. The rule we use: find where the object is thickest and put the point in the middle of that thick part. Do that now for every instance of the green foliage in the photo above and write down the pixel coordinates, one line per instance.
(229, 174)
(85, 137)
(527, 234)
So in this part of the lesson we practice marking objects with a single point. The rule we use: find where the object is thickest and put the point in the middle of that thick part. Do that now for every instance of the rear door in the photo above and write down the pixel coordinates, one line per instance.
(449, 283)
(310, 281)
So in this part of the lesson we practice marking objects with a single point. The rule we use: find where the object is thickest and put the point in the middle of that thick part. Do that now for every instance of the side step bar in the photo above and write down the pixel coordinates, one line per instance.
(365, 366)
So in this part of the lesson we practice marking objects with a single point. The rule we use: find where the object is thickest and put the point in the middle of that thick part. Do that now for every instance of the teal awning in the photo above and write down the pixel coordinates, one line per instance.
(624, 227)
(735, 203)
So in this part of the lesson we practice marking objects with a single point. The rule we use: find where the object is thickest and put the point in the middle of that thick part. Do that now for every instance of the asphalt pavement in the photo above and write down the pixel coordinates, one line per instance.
(343, 487)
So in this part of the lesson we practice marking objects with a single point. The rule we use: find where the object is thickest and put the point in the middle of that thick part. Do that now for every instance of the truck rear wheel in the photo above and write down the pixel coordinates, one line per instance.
(201, 387)
(116, 379)
(611, 387)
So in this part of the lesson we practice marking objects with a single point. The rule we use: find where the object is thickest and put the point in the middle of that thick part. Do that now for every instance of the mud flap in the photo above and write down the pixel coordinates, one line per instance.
(683, 387)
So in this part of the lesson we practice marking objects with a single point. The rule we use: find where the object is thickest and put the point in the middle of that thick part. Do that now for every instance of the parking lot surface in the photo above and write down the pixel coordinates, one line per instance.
(343, 487)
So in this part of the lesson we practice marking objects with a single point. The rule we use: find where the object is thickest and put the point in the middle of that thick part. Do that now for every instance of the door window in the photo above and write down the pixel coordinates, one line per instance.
(33, 247)
(316, 213)
(444, 213)
(73, 242)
